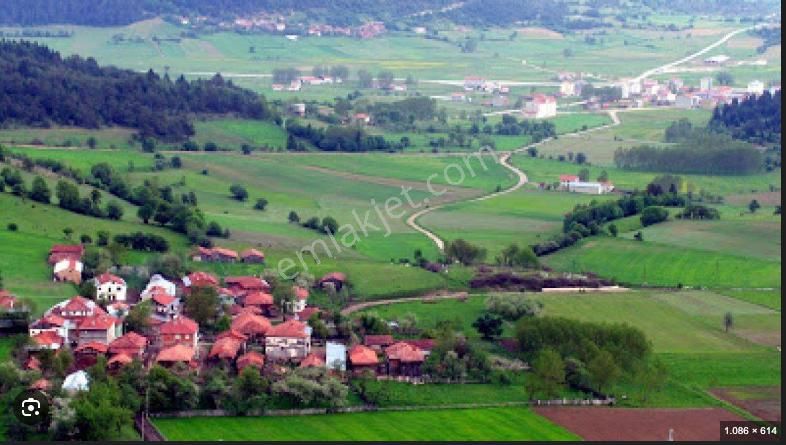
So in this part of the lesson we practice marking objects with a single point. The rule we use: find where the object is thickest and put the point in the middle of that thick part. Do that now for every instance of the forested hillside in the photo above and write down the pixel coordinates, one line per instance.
(40, 88)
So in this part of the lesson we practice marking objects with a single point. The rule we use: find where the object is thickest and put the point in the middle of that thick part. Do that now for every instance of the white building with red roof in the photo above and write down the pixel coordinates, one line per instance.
(541, 106)
(60, 252)
(99, 328)
(158, 281)
(290, 340)
(110, 287)
(47, 340)
(200, 279)
(68, 270)
(131, 344)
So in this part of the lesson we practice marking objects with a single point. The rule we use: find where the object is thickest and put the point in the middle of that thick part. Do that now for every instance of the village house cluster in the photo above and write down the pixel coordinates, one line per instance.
(260, 334)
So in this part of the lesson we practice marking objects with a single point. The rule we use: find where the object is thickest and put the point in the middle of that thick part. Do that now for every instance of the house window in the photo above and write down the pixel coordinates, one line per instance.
(177, 336)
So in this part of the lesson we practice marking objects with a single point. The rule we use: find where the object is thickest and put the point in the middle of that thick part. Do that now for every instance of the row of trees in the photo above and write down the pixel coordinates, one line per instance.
(42, 88)
(701, 152)
(336, 138)
(539, 130)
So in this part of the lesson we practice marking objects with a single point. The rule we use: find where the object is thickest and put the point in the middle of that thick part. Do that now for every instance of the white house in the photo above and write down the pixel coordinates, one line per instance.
(158, 281)
(69, 270)
(591, 188)
(687, 101)
(336, 356)
(756, 87)
(541, 106)
(288, 340)
(110, 287)
(717, 60)
(705, 84)
(567, 88)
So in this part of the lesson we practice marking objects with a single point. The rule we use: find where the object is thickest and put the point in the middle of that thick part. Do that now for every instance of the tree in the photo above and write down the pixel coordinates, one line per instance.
(138, 318)
(169, 392)
(653, 215)
(249, 392)
(293, 217)
(753, 206)
(513, 255)
(365, 79)
(613, 229)
(549, 373)
(202, 305)
(489, 326)
(68, 232)
(260, 204)
(652, 376)
(238, 192)
(146, 212)
(329, 225)
(210, 146)
(581, 158)
(728, 321)
(92, 142)
(724, 78)
(464, 252)
(511, 307)
(533, 152)
(603, 177)
(40, 191)
(114, 211)
(602, 370)
(584, 174)
(385, 79)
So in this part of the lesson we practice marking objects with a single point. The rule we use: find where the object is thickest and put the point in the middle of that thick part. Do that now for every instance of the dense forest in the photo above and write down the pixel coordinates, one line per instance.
(756, 120)
(40, 88)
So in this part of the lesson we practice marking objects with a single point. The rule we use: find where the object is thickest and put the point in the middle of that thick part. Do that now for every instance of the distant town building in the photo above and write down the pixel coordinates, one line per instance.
(541, 106)
(717, 60)
(756, 87)
(110, 287)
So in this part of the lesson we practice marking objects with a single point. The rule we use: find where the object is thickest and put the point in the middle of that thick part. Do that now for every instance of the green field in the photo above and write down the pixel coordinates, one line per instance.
(770, 298)
(234, 133)
(657, 264)
(451, 425)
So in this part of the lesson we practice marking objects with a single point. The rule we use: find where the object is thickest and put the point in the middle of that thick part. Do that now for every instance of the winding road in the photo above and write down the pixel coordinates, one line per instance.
(504, 159)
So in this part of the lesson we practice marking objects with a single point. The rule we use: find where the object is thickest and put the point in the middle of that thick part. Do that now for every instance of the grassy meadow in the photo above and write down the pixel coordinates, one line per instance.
(456, 425)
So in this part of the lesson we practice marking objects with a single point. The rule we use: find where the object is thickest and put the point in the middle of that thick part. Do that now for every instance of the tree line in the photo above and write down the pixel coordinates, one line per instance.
(756, 119)
(41, 88)
(335, 138)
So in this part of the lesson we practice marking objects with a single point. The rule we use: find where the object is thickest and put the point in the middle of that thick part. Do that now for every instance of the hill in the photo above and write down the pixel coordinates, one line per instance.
(41, 88)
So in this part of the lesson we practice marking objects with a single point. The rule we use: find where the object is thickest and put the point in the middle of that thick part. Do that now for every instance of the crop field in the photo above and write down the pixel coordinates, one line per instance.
(663, 265)
(770, 298)
(522, 217)
(455, 425)
(234, 133)
(71, 136)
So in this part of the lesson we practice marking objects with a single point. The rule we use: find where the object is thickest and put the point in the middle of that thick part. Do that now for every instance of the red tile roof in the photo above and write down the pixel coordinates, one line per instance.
(312, 360)
(251, 324)
(251, 253)
(92, 346)
(176, 353)
(47, 338)
(334, 276)
(258, 299)
(202, 279)
(109, 278)
(568, 178)
(225, 348)
(405, 353)
(231, 333)
(48, 320)
(180, 325)
(78, 304)
(378, 340)
(121, 359)
(306, 313)
(98, 322)
(220, 251)
(33, 362)
(426, 344)
(360, 355)
(7, 301)
(289, 329)
(251, 358)
(161, 297)
(246, 282)
(60, 252)
(130, 342)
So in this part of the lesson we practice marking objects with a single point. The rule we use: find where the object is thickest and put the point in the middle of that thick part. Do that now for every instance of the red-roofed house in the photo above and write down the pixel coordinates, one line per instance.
(251, 358)
(246, 284)
(226, 347)
(41, 385)
(176, 354)
(403, 359)
(47, 340)
(363, 358)
(131, 344)
(300, 301)
(200, 279)
(180, 331)
(312, 361)
(262, 300)
(165, 306)
(252, 256)
(49, 323)
(288, 340)
(566, 180)
(254, 326)
(306, 313)
(118, 361)
(60, 252)
(425, 344)
(337, 278)
(87, 354)
(541, 106)
(110, 287)
(215, 254)
(378, 342)
(100, 328)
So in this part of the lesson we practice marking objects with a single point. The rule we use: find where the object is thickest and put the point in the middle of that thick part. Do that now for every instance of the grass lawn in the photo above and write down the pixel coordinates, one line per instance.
(770, 298)
(234, 133)
(634, 262)
(451, 425)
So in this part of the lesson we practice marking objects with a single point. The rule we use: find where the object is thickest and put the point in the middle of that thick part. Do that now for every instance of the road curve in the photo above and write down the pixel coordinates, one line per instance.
(504, 160)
